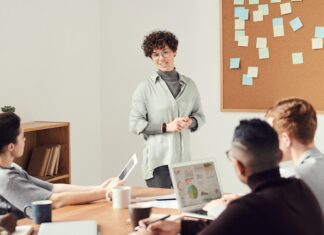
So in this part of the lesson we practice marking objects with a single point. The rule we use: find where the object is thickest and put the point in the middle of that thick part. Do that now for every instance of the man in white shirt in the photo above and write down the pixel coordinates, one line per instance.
(295, 121)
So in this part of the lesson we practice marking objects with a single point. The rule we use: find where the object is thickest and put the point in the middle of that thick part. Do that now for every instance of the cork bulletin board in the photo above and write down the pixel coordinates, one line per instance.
(277, 76)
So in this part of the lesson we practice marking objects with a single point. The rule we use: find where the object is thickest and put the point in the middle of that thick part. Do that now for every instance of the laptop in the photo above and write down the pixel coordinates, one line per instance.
(195, 183)
(85, 227)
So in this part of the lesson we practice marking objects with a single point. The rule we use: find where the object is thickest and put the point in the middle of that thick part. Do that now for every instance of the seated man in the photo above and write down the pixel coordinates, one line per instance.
(18, 189)
(295, 121)
(8, 223)
(276, 205)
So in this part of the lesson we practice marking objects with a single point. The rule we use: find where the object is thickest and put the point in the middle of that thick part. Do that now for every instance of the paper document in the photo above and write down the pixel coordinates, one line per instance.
(169, 204)
(23, 230)
(158, 198)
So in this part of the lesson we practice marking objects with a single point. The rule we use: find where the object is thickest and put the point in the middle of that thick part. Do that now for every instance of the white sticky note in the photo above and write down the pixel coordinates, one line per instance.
(297, 58)
(234, 63)
(253, 2)
(285, 8)
(275, 1)
(238, 34)
(264, 53)
(278, 31)
(257, 16)
(317, 43)
(238, 2)
(246, 80)
(253, 72)
(261, 42)
(243, 41)
(264, 8)
(239, 24)
(296, 24)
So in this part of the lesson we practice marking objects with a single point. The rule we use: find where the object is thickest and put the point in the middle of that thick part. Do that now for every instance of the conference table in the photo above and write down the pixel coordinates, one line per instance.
(110, 221)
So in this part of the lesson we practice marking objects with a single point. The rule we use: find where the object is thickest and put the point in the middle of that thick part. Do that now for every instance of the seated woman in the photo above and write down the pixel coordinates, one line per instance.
(18, 188)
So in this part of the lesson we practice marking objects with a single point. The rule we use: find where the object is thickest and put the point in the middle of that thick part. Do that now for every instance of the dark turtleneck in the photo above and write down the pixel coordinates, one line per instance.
(172, 80)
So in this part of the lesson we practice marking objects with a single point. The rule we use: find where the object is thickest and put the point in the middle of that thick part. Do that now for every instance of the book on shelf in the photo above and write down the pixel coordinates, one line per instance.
(44, 160)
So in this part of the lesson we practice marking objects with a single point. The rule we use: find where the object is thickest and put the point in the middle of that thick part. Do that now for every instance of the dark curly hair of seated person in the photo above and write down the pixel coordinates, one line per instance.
(158, 40)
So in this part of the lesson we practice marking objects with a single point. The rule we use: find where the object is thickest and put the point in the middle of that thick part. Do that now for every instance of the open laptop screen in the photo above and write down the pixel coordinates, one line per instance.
(195, 183)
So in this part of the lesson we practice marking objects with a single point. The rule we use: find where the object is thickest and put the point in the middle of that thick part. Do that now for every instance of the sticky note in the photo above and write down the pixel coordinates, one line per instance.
(296, 24)
(275, 1)
(253, 72)
(285, 8)
(264, 8)
(264, 53)
(243, 41)
(238, 34)
(246, 80)
(257, 16)
(241, 13)
(239, 24)
(278, 27)
(234, 63)
(319, 32)
(253, 2)
(317, 43)
(277, 21)
(297, 58)
(261, 42)
(238, 2)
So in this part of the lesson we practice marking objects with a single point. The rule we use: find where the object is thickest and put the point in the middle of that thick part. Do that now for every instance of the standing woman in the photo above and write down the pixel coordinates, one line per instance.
(165, 109)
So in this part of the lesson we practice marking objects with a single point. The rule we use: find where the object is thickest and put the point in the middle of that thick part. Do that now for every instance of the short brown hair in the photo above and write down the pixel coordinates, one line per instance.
(295, 116)
(158, 40)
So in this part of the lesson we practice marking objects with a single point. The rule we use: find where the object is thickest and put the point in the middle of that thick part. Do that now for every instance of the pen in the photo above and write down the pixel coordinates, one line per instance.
(165, 199)
(153, 221)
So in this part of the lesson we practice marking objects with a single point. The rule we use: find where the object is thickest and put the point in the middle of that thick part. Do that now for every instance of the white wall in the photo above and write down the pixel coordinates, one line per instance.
(196, 24)
(80, 60)
(50, 70)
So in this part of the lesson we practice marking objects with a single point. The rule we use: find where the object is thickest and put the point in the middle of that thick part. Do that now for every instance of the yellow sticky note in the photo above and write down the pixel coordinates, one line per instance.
(285, 8)
(252, 72)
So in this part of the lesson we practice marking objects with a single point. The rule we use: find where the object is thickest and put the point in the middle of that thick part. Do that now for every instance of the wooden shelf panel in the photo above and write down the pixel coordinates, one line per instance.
(42, 125)
(54, 178)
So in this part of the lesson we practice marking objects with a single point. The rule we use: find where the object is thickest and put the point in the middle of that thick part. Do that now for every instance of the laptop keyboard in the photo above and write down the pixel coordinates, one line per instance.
(200, 212)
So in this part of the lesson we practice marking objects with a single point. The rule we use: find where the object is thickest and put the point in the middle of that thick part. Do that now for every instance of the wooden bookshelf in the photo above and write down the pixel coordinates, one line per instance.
(48, 133)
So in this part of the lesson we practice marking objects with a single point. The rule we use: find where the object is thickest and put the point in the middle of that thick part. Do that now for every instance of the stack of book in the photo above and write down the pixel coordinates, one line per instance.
(44, 161)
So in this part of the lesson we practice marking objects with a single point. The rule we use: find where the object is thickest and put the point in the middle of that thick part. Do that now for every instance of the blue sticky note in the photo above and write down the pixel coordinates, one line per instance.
(241, 13)
(251, 2)
(297, 58)
(264, 53)
(277, 21)
(319, 32)
(296, 24)
(246, 80)
(234, 63)
(264, 8)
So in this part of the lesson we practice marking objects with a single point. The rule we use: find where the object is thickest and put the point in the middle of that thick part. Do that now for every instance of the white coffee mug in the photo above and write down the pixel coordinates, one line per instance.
(121, 196)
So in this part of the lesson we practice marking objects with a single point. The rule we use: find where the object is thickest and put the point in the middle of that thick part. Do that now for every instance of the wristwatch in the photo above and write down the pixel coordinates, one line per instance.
(164, 127)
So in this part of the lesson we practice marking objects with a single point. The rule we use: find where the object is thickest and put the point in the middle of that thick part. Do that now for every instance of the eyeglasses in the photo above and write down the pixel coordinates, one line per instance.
(229, 156)
(164, 54)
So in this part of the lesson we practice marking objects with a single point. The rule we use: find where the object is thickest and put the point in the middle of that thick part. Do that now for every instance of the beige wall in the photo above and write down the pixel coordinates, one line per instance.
(80, 60)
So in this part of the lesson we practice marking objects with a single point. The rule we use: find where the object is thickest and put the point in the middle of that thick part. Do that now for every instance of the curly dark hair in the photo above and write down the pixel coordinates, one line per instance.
(158, 40)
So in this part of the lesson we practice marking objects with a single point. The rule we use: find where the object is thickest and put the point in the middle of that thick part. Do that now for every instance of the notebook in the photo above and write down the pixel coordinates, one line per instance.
(86, 227)
(195, 183)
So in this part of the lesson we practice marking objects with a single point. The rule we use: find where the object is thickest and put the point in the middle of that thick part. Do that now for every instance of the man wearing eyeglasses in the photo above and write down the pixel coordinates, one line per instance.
(165, 108)
(276, 205)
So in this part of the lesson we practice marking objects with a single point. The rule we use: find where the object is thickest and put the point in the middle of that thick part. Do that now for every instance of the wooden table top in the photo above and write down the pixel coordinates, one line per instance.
(110, 221)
